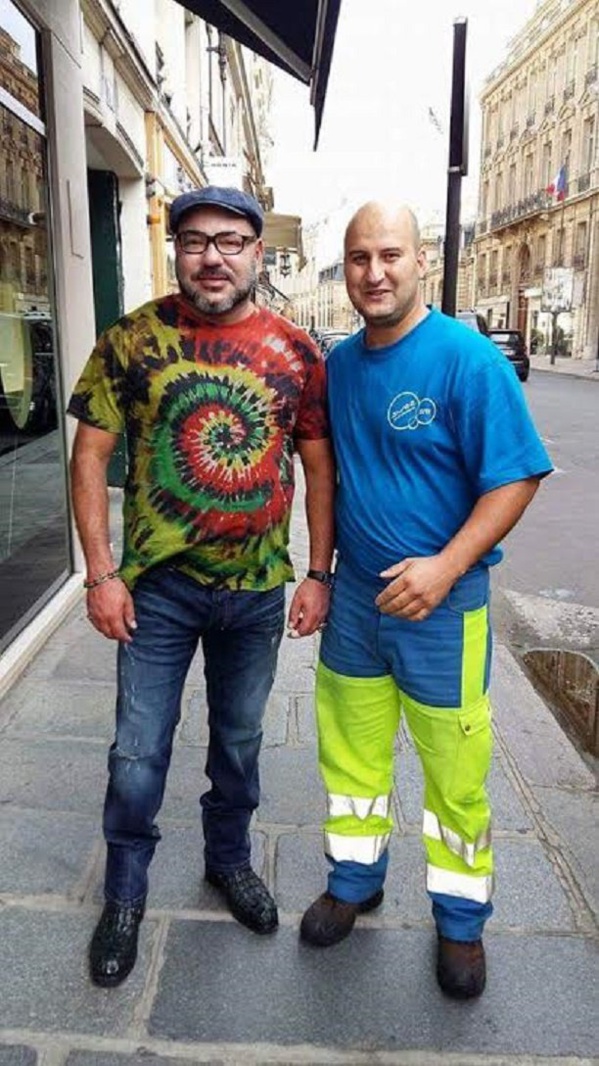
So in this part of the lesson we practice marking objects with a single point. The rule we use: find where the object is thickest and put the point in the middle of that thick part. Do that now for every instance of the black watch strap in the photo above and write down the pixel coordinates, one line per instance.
(324, 576)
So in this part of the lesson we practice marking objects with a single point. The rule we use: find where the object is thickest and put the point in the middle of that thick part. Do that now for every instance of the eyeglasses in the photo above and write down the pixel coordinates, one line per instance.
(192, 242)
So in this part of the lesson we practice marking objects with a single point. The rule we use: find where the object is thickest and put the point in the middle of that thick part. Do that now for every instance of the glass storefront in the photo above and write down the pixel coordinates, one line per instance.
(34, 538)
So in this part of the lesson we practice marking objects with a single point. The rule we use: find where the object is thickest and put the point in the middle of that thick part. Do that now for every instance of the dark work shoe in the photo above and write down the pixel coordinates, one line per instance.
(329, 920)
(248, 898)
(113, 947)
(461, 969)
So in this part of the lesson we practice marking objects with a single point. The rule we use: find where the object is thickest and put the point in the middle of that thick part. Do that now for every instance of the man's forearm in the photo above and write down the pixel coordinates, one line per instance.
(493, 516)
(319, 470)
(320, 518)
(90, 505)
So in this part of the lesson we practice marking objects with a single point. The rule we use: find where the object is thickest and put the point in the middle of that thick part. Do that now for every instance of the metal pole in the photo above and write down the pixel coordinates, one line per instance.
(458, 166)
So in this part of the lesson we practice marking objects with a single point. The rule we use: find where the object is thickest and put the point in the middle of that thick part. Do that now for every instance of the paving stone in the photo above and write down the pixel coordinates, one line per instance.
(194, 725)
(576, 819)
(42, 852)
(306, 719)
(62, 708)
(66, 775)
(141, 1058)
(135, 1058)
(185, 784)
(292, 792)
(88, 656)
(177, 871)
(296, 995)
(508, 809)
(543, 752)
(17, 1055)
(44, 985)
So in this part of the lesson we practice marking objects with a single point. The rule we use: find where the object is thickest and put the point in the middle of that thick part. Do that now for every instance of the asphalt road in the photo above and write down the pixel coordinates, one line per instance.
(547, 586)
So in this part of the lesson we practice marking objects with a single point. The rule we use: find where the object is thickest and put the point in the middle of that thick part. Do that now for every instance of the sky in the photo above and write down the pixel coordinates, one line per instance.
(392, 62)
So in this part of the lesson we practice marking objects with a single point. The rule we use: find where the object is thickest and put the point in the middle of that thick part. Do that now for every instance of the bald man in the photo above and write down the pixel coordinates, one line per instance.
(438, 459)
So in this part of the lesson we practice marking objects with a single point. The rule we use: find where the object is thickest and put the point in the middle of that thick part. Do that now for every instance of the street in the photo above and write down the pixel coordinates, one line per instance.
(547, 586)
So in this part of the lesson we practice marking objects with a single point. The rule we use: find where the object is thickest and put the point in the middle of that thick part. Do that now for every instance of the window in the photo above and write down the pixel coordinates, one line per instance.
(512, 184)
(580, 247)
(34, 538)
(547, 175)
(588, 145)
(528, 174)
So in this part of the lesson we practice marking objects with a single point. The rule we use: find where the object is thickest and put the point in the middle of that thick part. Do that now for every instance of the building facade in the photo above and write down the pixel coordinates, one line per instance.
(108, 110)
(537, 239)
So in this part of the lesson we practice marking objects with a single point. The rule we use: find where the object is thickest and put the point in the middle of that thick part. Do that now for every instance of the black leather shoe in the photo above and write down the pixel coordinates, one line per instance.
(248, 898)
(461, 968)
(329, 920)
(113, 947)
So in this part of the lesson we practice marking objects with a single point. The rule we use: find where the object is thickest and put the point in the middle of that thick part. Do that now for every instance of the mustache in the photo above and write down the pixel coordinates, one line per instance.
(210, 273)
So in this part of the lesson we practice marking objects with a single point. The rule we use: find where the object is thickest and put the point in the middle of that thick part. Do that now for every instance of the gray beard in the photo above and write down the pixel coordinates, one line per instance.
(219, 305)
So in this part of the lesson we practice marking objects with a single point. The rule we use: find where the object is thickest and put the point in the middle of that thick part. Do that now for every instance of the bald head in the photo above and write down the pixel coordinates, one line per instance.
(377, 215)
(384, 265)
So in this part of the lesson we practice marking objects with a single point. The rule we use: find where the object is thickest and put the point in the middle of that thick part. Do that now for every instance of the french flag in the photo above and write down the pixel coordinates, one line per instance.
(557, 187)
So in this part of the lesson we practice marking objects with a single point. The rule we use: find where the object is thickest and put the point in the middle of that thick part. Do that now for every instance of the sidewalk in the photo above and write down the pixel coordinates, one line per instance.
(207, 990)
(579, 368)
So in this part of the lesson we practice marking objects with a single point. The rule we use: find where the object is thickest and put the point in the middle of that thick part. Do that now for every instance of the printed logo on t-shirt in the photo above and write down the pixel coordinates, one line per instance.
(407, 411)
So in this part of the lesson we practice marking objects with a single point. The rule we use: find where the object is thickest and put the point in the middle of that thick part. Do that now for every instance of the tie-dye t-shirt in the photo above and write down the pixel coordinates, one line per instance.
(211, 413)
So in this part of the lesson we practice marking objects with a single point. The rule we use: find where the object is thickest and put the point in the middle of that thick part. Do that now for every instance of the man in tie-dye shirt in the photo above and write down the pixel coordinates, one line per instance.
(214, 395)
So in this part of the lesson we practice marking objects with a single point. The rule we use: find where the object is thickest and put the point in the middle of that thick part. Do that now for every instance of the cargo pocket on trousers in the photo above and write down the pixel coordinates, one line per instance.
(473, 754)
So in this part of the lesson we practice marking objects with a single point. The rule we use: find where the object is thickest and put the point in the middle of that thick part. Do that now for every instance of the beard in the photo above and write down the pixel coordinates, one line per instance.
(218, 305)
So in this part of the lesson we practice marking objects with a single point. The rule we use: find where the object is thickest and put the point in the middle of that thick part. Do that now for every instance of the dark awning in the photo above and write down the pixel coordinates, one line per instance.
(297, 36)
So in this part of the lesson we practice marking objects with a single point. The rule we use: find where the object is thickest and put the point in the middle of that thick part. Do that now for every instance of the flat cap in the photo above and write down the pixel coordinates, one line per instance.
(228, 198)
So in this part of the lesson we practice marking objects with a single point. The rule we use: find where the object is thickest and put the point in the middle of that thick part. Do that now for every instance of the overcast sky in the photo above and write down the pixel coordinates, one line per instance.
(392, 62)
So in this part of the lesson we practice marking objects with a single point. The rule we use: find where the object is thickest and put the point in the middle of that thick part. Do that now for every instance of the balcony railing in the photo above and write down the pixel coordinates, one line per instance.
(550, 105)
(570, 90)
(591, 75)
(529, 205)
(13, 212)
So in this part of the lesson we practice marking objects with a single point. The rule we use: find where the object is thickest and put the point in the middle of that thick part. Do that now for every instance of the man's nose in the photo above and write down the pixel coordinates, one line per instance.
(212, 255)
(375, 272)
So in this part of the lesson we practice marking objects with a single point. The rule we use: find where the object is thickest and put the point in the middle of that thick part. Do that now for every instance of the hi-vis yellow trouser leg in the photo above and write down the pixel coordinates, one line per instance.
(358, 719)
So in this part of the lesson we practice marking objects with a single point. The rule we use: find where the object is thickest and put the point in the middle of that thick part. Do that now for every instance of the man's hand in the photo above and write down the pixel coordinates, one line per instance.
(418, 586)
(110, 610)
(309, 608)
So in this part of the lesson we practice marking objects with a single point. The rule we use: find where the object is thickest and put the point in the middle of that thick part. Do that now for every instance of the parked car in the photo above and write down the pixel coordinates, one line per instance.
(512, 344)
(474, 321)
(326, 339)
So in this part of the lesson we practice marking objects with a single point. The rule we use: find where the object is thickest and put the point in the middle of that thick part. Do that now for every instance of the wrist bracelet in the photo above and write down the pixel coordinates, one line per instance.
(325, 577)
(100, 579)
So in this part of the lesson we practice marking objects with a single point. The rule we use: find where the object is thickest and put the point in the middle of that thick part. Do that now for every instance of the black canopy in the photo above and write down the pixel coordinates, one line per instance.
(297, 36)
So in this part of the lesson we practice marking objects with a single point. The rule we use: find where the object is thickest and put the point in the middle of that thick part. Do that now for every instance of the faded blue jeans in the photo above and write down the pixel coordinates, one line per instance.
(240, 634)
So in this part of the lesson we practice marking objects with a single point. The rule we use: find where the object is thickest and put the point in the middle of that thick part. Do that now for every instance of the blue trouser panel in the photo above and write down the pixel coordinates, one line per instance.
(240, 634)
(374, 667)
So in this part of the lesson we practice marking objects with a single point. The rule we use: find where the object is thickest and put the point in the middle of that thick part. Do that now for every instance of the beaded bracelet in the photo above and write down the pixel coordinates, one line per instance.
(100, 579)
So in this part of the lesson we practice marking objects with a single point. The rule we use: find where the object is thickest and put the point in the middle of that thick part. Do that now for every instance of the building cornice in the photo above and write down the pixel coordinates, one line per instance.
(112, 34)
(544, 25)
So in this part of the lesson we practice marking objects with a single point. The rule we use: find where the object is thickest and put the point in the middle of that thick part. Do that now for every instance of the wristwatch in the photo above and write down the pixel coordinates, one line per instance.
(324, 576)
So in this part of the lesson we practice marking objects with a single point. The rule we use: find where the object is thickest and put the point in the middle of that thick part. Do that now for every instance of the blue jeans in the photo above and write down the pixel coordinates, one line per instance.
(240, 634)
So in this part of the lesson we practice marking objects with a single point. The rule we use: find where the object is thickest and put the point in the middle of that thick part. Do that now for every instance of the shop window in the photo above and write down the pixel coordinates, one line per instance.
(34, 542)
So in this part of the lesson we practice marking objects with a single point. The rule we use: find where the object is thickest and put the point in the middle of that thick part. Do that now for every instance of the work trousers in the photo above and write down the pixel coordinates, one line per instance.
(374, 667)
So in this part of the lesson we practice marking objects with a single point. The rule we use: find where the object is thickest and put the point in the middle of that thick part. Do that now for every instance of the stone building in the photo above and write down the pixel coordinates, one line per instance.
(537, 235)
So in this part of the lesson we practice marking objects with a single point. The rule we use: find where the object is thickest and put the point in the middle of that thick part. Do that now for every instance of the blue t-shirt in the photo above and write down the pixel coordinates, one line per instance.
(422, 428)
